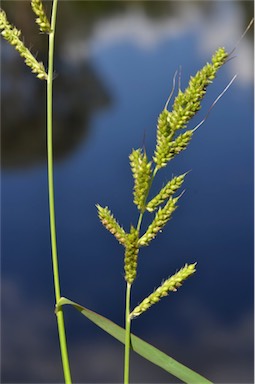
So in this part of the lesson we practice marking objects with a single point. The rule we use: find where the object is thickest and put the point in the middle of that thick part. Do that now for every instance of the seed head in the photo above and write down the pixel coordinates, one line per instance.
(168, 150)
(170, 284)
(162, 216)
(166, 192)
(141, 170)
(110, 223)
(131, 254)
(42, 19)
(185, 106)
(12, 35)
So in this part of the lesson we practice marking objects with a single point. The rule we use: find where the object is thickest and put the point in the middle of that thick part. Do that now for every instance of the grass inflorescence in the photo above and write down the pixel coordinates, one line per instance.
(169, 143)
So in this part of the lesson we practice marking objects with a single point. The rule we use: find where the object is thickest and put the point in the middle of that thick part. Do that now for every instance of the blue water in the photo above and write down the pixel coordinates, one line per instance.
(207, 324)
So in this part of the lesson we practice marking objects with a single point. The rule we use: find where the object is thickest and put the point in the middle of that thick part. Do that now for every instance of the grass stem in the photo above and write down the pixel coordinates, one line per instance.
(127, 335)
(60, 316)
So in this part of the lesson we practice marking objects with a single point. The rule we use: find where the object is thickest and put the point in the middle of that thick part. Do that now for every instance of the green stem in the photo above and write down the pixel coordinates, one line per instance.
(140, 221)
(127, 335)
(60, 316)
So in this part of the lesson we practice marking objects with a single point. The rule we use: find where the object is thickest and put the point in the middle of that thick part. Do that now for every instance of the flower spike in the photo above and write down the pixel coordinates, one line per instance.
(169, 285)
(166, 192)
(110, 223)
(12, 35)
(131, 254)
(185, 106)
(141, 170)
(42, 19)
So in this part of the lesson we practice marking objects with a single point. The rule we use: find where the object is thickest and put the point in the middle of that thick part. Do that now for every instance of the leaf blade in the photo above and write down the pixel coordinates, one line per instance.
(141, 347)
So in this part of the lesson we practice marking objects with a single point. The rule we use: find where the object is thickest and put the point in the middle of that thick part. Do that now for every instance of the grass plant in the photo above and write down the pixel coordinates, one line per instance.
(173, 137)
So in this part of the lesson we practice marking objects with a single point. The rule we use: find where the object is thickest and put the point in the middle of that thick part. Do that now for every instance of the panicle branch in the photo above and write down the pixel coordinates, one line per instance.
(141, 170)
(166, 192)
(185, 106)
(12, 35)
(110, 223)
(169, 285)
(162, 216)
(42, 19)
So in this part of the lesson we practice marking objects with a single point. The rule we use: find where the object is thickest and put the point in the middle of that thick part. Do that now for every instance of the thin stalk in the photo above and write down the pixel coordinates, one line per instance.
(60, 316)
(127, 335)
(140, 221)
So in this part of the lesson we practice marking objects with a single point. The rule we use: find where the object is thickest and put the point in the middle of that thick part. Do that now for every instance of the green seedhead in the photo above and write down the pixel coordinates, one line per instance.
(185, 106)
(131, 255)
(141, 169)
(179, 144)
(169, 285)
(171, 187)
(162, 216)
(42, 19)
(12, 35)
(110, 223)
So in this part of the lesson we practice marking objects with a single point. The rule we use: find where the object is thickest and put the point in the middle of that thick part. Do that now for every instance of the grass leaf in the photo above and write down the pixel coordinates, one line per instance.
(144, 349)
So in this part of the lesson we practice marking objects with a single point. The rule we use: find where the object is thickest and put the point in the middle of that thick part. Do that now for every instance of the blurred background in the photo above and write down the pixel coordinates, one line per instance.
(114, 66)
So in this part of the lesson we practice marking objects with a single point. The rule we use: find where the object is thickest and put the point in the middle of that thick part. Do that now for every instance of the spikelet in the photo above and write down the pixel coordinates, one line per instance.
(218, 59)
(131, 254)
(179, 144)
(141, 170)
(166, 192)
(162, 216)
(170, 149)
(12, 35)
(164, 130)
(164, 127)
(185, 106)
(170, 284)
(164, 137)
(42, 19)
(110, 223)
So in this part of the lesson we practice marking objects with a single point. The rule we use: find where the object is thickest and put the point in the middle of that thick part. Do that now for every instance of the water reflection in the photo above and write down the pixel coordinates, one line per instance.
(79, 93)
(81, 90)
(114, 73)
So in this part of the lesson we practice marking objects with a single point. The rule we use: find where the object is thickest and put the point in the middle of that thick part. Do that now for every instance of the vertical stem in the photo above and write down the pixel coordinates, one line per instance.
(127, 335)
(60, 316)
(139, 221)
